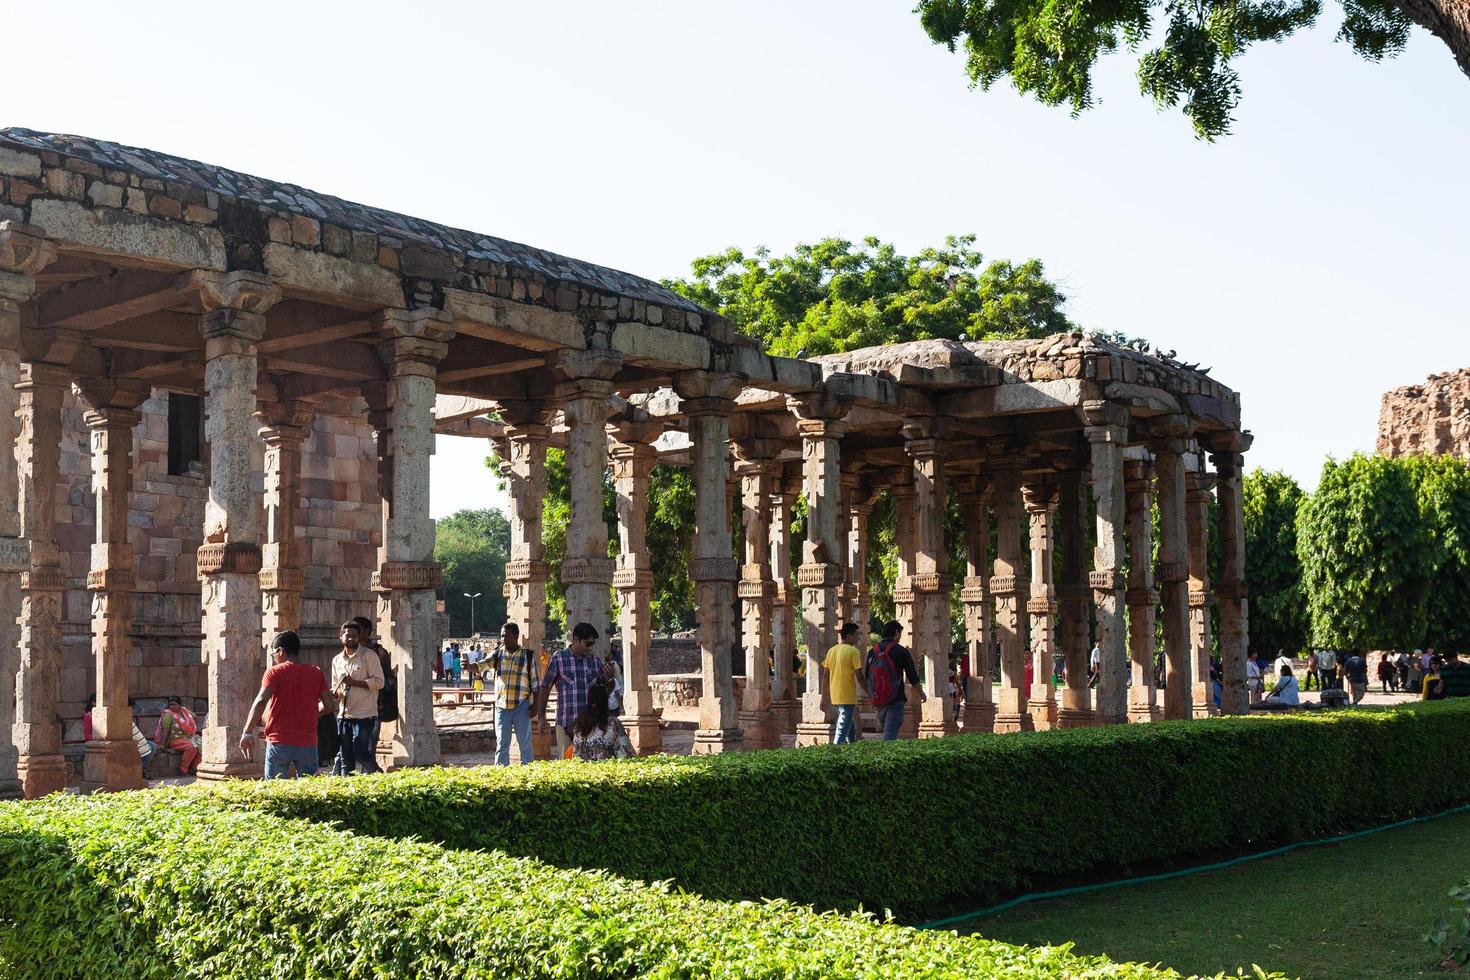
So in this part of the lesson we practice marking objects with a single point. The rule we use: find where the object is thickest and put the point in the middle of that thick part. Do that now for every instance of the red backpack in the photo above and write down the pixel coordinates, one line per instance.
(882, 673)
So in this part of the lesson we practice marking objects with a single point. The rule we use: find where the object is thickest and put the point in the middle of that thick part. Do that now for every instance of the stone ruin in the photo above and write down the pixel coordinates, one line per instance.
(1432, 418)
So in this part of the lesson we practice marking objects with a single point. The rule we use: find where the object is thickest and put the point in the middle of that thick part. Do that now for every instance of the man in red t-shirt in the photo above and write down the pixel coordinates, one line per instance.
(292, 696)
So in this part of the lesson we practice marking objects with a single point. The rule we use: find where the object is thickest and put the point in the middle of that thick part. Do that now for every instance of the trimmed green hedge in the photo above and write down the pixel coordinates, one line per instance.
(162, 885)
(915, 826)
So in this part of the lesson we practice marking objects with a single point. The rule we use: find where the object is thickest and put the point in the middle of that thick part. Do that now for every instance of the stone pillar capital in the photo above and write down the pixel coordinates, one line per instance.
(576, 396)
(284, 421)
(818, 406)
(413, 342)
(922, 433)
(705, 407)
(1227, 442)
(763, 451)
(1104, 416)
(40, 374)
(1040, 497)
(1198, 487)
(1138, 475)
(590, 365)
(243, 292)
(24, 251)
(229, 331)
(113, 402)
(696, 385)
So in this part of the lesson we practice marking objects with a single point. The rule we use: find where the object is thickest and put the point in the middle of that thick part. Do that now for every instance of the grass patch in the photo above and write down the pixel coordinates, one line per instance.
(1351, 911)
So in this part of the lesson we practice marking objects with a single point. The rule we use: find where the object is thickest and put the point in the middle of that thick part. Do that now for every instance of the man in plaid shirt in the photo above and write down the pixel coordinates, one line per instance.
(516, 674)
(573, 671)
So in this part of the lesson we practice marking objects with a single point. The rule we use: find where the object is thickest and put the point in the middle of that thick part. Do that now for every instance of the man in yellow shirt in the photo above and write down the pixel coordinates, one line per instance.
(844, 682)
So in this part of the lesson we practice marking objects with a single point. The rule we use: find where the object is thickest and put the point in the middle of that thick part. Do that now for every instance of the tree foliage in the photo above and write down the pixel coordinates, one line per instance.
(1186, 51)
(473, 547)
(1273, 573)
(1444, 508)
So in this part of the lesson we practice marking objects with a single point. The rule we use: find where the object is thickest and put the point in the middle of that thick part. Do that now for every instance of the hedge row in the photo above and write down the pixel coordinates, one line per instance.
(162, 886)
(918, 826)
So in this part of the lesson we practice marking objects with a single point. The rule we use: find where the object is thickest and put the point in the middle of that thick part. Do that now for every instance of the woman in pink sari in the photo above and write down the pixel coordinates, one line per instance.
(179, 730)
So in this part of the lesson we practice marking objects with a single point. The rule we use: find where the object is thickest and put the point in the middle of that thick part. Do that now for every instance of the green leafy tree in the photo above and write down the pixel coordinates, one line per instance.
(1273, 572)
(473, 547)
(1444, 508)
(1363, 546)
(1048, 50)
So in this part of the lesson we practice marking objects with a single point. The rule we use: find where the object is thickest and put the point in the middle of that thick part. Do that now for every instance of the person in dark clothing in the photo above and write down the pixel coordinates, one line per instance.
(1355, 673)
(1454, 677)
(888, 665)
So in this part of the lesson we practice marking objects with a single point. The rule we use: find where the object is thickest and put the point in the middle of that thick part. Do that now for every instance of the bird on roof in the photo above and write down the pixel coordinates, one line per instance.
(1167, 355)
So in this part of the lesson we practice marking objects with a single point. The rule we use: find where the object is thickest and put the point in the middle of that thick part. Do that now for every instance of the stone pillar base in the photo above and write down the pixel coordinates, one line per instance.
(760, 729)
(110, 766)
(644, 733)
(41, 775)
(1076, 718)
(1043, 714)
(1206, 710)
(415, 749)
(813, 733)
(1013, 723)
(784, 716)
(979, 718)
(212, 772)
(929, 728)
(710, 741)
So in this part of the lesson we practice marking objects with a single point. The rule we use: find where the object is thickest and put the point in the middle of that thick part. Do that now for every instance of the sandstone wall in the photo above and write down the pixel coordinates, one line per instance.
(1433, 417)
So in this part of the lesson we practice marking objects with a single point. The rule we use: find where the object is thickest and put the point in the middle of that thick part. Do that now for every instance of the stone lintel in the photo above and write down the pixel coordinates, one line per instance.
(714, 570)
(397, 576)
(282, 579)
(526, 570)
(819, 575)
(229, 557)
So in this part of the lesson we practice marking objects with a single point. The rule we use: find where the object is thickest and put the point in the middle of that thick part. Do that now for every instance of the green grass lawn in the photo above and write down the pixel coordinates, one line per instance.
(1353, 911)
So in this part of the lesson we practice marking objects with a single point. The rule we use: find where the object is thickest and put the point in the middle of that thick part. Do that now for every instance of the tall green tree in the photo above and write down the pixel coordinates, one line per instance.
(1273, 572)
(1444, 508)
(1363, 551)
(473, 547)
(1188, 50)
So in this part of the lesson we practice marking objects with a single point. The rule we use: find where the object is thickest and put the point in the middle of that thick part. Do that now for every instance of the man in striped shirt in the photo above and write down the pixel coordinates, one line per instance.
(573, 671)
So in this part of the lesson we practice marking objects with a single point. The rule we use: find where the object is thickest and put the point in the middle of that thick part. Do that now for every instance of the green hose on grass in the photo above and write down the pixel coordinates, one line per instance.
(1181, 873)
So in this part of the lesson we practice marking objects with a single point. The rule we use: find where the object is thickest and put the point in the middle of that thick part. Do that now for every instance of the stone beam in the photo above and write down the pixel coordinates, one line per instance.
(122, 295)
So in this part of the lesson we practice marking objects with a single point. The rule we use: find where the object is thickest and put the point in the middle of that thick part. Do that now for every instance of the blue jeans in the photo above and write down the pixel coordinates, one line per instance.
(278, 760)
(359, 745)
(518, 720)
(845, 730)
(890, 719)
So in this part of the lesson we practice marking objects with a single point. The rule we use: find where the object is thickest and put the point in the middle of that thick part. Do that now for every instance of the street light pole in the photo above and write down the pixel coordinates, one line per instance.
(472, 599)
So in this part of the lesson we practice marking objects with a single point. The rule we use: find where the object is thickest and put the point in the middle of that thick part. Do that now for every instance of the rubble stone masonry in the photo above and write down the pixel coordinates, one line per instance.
(1432, 417)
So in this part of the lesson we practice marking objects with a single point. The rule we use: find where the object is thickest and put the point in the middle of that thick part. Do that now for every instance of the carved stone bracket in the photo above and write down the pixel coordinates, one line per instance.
(1041, 606)
(714, 570)
(974, 589)
(397, 576)
(282, 579)
(1142, 597)
(819, 575)
(1002, 585)
(234, 557)
(24, 249)
(526, 570)
(42, 578)
(591, 570)
(931, 582)
(1105, 581)
(632, 578)
(1199, 598)
(111, 580)
(1173, 571)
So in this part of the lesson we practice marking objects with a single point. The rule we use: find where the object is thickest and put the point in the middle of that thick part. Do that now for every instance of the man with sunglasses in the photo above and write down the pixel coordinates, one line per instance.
(573, 671)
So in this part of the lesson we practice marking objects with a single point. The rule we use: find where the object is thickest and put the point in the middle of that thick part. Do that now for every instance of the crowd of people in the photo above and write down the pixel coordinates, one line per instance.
(1425, 673)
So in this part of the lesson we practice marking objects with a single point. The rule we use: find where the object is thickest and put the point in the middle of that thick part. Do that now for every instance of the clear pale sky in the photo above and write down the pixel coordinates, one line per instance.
(1315, 258)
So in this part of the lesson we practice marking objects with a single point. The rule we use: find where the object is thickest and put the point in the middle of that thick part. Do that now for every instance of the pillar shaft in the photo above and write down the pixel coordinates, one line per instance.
(1041, 509)
(757, 596)
(229, 560)
(820, 574)
(905, 519)
(1106, 438)
(586, 571)
(860, 596)
(785, 698)
(38, 461)
(523, 465)
(1197, 520)
(1231, 590)
(975, 595)
(284, 427)
(930, 580)
(1072, 605)
(1143, 597)
(1174, 579)
(1010, 591)
(632, 466)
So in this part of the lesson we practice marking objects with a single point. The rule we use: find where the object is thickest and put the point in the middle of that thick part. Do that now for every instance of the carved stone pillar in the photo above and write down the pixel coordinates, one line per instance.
(1143, 597)
(1076, 707)
(284, 426)
(708, 402)
(820, 574)
(632, 466)
(1173, 576)
(1231, 590)
(785, 699)
(758, 472)
(411, 345)
(523, 466)
(38, 457)
(975, 596)
(931, 582)
(1107, 433)
(112, 761)
(24, 251)
(905, 516)
(860, 597)
(1041, 508)
(1010, 591)
(1197, 521)
(229, 560)
(586, 571)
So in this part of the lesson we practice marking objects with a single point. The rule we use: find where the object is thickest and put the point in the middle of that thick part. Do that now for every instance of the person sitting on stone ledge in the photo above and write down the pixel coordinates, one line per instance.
(1285, 690)
(178, 730)
(597, 734)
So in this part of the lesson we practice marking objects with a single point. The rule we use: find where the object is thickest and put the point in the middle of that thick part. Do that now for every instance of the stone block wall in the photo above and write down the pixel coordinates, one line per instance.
(1433, 417)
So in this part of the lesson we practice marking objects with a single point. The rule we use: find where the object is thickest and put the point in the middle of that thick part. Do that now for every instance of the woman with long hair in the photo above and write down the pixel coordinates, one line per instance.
(597, 734)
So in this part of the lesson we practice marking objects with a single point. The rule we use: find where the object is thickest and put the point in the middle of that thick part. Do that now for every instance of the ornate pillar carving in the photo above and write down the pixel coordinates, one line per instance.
(1143, 597)
(229, 560)
(24, 251)
(860, 597)
(523, 466)
(284, 426)
(1197, 520)
(904, 495)
(708, 402)
(975, 595)
(931, 582)
(411, 345)
(1041, 508)
(112, 761)
(1106, 433)
(587, 571)
(785, 699)
(820, 574)
(38, 460)
(1173, 575)
(1227, 450)
(1076, 707)
(1009, 589)
(758, 472)
(632, 464)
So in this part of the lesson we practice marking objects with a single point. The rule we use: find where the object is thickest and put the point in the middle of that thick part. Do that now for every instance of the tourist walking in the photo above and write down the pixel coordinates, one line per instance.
(842, 671)
(1328, 666)
(357, 677)
(888, 665)
(1285, 690)
(517, 673)
(1401, 663)
(1094, 665)
(1255, 684)
(178, 730)
(597, 734)
(1314, 670)
(1386, 674)
(572, 672)
(292, 697)
(1355, 673)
